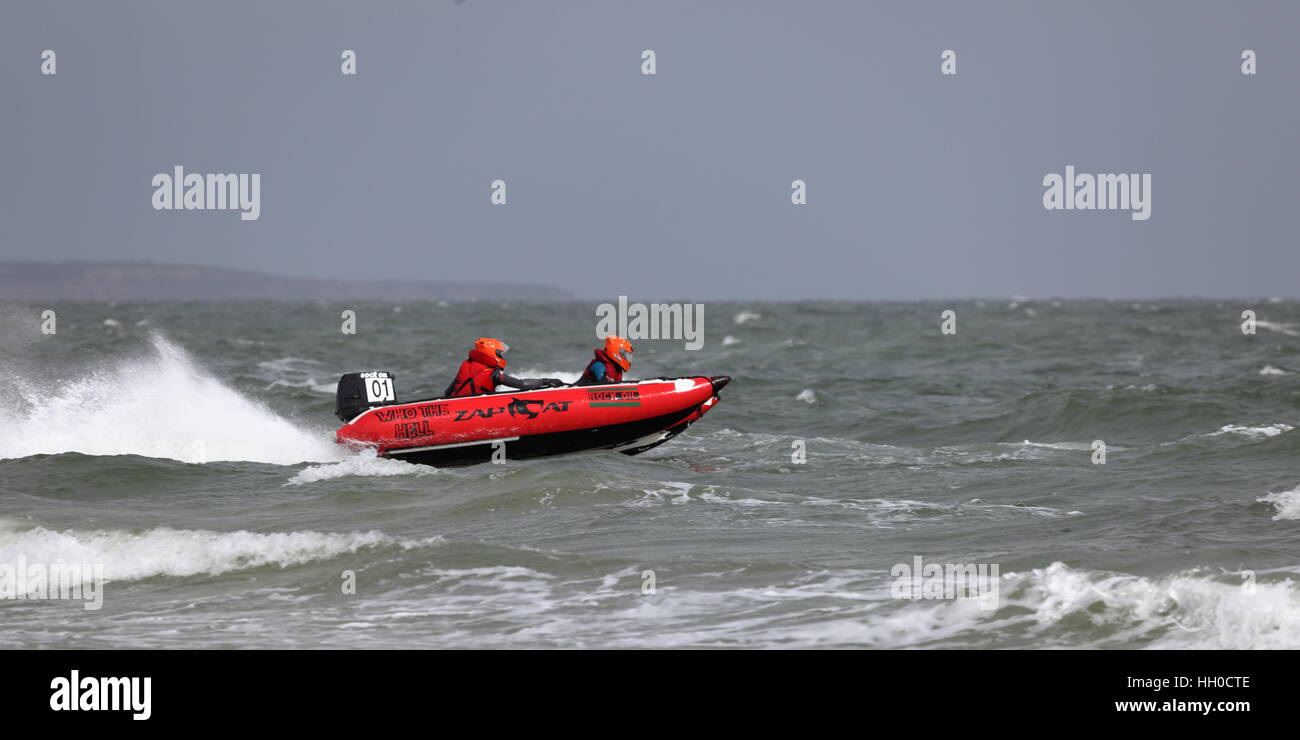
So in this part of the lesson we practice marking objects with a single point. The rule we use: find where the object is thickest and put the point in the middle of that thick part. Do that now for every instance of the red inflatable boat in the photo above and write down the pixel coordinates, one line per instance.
(628, 417)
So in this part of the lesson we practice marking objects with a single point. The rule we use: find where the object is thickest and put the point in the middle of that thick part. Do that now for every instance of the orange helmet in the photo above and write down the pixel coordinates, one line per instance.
(490, 351)
(615, 346)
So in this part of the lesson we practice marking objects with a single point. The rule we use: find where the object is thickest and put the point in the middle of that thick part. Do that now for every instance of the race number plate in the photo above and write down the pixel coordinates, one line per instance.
(379, 387)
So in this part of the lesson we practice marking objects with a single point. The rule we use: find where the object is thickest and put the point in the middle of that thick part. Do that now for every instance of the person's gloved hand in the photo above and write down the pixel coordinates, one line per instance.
(552, 383)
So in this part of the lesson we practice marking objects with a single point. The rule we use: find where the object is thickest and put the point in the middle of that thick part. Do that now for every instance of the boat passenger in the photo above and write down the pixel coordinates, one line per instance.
(611, 362)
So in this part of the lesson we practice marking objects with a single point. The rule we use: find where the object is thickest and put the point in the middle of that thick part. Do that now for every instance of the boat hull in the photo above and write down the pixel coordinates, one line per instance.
(445, 432)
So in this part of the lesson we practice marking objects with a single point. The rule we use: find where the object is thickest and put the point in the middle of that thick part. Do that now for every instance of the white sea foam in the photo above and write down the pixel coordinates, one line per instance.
(160, 405)
(1183, 610)
(1263, 431)
(1050, 607)
(1061, 445)
(365, 464)
(1287, 503)
(673, 491)
(1270, 370)
(131, 556)
(807, 395)
(729, 340)
(1287, 329)
(747, 316)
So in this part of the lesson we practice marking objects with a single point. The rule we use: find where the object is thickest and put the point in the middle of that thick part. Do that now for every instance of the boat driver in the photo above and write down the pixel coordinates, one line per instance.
(485, 369)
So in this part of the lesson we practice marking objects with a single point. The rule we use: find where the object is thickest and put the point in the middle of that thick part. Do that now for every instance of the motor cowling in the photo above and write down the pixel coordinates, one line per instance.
(360, 391)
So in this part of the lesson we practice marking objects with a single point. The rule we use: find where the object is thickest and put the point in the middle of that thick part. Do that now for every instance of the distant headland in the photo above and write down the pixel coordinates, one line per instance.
(148, 281)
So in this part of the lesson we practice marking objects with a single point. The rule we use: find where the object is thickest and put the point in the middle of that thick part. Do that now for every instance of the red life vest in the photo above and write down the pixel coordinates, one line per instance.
(613, 373)
(474, 377)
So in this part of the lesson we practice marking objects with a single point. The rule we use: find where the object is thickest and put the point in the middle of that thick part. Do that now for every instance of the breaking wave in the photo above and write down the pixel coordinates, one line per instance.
(162, 405)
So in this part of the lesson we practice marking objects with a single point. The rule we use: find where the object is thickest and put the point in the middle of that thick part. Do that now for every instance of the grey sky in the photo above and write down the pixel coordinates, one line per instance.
(672, 186)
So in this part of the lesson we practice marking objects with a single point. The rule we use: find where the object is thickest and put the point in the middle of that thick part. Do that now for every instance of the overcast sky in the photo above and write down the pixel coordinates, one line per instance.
(677, 185)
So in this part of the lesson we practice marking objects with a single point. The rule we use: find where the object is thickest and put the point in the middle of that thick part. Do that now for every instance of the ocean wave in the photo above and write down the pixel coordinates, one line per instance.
(289, 364)
(297, 372)
(162, 406)
(1095, 413)
(748, 450)
(1045, 607)
(1287, 503)
(1263, 431)
(1074, 446)
(327, 389)
(162, 551)
(365, 464)
(1184, 610)
(1279, 327)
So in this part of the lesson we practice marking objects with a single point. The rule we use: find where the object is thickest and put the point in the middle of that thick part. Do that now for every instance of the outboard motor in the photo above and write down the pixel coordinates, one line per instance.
(360, 391)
